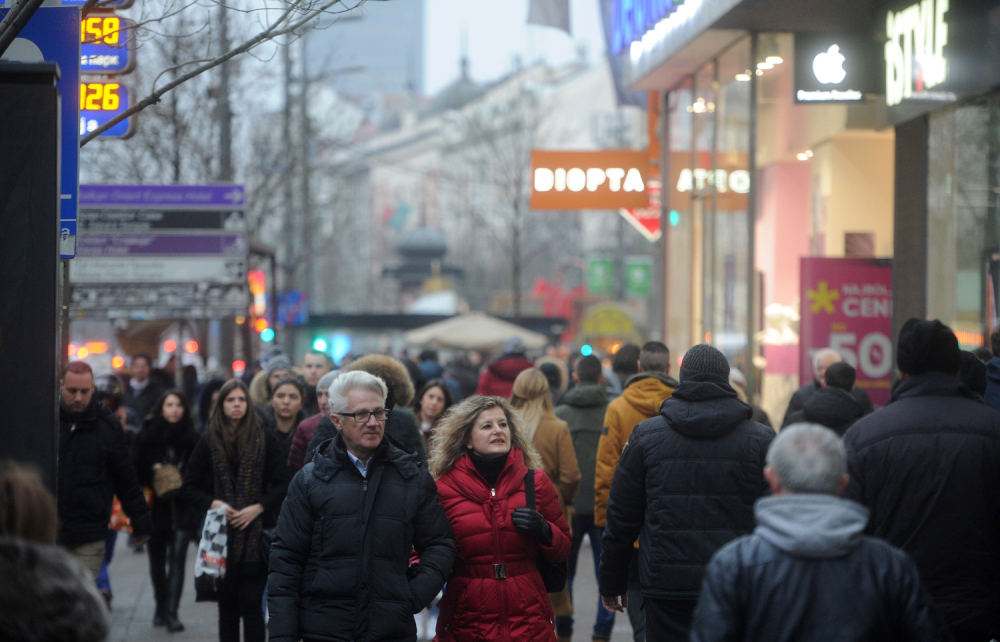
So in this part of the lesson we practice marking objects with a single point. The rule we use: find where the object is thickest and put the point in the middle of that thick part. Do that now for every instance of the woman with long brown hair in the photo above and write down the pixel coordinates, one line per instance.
(482, 460)
(237, 465)
(429, 405)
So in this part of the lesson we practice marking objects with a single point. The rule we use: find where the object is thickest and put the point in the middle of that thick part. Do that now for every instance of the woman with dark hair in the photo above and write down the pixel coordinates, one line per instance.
(161, 452)
(430, 405)
(281, 417)
(238, 465)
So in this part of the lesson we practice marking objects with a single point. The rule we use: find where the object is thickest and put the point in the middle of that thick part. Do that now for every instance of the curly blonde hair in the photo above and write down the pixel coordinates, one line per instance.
(452, 431)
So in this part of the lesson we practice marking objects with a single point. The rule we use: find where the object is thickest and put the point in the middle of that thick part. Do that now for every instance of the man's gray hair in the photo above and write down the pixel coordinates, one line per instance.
(808, 458)
(825, 352)
(348, 381)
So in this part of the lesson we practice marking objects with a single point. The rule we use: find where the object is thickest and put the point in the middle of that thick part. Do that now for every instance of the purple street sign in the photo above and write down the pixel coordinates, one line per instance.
(162, 197)
(161, 245)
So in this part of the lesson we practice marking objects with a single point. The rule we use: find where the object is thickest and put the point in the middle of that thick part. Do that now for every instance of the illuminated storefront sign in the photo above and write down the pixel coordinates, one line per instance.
(915, 61)
(630, 19)
(835, 68)
(589, 179)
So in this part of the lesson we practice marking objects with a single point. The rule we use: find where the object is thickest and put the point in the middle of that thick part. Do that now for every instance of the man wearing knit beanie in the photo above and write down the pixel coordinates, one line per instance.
(927, 466)
(688, 479)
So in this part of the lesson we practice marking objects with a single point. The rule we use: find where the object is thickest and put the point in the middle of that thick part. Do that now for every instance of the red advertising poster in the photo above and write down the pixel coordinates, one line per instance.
(847, 305)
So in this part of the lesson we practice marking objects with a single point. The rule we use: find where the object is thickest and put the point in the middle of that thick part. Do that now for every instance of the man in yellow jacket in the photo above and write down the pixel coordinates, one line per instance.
(643, 395)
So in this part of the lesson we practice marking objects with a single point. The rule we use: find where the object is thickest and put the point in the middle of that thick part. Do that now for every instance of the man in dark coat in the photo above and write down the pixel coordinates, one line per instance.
(141, 392)
(808, 554)
(349, 524)
(927, 466)
(833, 405)
(94, 467)
(822, 360)
(582, 408)
(685, 486)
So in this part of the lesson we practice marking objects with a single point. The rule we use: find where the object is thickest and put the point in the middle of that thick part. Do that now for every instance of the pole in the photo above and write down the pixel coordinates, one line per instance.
(288, 258)
(65, 298)
(660, 251)
(752, 223)
(225, 115)
(305, 135)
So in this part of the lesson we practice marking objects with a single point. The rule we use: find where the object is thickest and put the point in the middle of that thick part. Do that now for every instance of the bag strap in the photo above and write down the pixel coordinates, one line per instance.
(529, 489)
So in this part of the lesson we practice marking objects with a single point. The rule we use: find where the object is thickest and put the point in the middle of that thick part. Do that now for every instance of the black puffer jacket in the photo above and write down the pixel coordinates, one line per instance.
(342, 547)
(685, 486)
(809, 556)
(831, 407)
(94, 466)
(160, 442)
(927, 466)
(805, 393)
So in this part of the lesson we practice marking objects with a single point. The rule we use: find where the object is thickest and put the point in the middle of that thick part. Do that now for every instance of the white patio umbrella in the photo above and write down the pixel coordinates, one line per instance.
(473, 331)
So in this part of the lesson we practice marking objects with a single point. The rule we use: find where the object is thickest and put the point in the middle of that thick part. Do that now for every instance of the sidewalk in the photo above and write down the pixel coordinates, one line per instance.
(133, 606)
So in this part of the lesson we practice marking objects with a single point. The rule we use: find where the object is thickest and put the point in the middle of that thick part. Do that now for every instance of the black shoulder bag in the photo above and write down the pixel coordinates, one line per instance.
(554, 574)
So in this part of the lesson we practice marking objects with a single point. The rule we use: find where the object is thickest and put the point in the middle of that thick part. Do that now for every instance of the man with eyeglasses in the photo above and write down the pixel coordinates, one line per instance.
(340, 561)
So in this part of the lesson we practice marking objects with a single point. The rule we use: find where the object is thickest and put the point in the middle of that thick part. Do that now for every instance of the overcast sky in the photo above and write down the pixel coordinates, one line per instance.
(496, 33)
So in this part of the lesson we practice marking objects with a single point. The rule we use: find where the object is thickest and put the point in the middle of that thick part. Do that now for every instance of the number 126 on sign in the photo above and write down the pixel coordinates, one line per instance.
(99, 103)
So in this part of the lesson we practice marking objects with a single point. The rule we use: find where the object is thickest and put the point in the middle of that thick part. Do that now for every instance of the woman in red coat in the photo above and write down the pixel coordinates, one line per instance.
(495, 592)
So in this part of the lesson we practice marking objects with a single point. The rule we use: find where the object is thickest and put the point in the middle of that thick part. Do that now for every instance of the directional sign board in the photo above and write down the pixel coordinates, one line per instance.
(99, 103)
(106, 4)
(53, 35)
(161, 251)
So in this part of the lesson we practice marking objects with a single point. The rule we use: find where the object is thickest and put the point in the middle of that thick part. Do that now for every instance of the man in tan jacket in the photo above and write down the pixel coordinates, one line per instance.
(644, 393)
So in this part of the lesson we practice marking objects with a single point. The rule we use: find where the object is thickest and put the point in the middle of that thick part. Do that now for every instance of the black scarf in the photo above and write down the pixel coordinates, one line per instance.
(489, 467)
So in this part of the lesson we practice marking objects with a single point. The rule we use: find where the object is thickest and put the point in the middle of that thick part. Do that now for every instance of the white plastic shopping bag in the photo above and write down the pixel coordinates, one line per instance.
(210, 567)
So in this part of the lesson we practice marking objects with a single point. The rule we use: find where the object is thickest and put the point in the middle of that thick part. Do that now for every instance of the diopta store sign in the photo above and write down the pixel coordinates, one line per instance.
(609, 179)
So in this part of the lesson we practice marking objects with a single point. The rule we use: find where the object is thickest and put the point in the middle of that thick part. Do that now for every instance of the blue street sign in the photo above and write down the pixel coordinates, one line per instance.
(99, 103)
(108, 45)
(53, 35)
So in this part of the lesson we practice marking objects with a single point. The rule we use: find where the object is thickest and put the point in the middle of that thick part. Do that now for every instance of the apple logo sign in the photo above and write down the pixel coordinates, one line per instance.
(829, 66)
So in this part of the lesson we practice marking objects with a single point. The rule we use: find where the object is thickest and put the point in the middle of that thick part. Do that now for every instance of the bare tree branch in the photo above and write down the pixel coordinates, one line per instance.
(271, 32)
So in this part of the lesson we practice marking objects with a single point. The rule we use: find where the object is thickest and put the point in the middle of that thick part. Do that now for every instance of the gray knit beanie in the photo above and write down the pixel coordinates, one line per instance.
(326, 380)
(704, 359)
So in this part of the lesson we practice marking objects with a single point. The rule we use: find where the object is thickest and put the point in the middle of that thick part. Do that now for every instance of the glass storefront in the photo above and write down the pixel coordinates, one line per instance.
(963, 223)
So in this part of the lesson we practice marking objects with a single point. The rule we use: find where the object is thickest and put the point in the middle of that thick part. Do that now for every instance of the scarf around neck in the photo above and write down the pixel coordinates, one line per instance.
(245, 490)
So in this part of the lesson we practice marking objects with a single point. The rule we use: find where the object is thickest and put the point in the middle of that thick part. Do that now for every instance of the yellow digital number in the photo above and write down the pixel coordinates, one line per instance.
(111, 101)
(99, 29)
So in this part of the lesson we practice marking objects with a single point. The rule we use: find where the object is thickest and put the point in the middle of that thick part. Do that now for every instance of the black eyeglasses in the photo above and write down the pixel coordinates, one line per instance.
(362, 416)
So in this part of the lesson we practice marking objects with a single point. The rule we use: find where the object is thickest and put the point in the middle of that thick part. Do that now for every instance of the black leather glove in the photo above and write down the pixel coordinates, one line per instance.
(533, 524)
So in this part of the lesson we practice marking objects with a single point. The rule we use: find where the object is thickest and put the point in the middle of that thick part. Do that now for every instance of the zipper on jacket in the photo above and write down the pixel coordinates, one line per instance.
(493, 492)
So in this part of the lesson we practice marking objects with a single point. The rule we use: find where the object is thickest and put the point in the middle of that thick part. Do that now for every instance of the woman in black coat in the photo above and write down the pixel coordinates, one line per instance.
(238, 465)
(167, 438)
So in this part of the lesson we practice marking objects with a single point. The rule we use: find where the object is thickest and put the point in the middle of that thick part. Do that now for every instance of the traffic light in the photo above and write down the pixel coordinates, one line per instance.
(239, 366)
(261, 325)
(257, 281)
(170, 345)
(191, 347)
(319, 344)
(267, 335)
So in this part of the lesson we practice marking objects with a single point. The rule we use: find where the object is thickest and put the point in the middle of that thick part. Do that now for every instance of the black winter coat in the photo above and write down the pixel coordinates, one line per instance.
(94, 467)
(283, 439)
(401, 427)
(859, 591)
(159, 442)
(927, 466)
(805, 393)
(831, 407)
(142, 402)
(343, 543)
(685, 486)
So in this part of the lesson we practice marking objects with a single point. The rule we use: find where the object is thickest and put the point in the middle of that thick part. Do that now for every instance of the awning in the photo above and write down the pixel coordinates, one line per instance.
(473, 331)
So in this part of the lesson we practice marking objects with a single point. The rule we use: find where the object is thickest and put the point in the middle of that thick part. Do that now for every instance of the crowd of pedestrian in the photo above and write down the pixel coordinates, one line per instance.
(357, 499)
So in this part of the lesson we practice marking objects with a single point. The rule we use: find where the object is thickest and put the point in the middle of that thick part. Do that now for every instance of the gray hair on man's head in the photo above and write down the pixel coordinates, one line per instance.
(824, 354)
(348, 381)
(808, 458)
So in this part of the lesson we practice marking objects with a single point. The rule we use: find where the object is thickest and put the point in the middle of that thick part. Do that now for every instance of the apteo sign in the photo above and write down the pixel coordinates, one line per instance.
(589, 180)
(847, 306)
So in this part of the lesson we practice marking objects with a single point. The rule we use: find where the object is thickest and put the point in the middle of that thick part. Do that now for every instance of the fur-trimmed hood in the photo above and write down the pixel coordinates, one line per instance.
(46, 596)
(389, 370)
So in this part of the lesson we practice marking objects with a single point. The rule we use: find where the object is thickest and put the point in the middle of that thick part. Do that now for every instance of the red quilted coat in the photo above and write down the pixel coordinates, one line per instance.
(476, 606)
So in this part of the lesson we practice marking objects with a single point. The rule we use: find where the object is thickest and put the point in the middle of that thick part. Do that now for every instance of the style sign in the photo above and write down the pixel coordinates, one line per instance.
(846, 304)
(589, 180)
(835, 68)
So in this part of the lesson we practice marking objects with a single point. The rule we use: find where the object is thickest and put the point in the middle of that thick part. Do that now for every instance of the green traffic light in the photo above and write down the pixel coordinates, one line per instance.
(320, 344)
